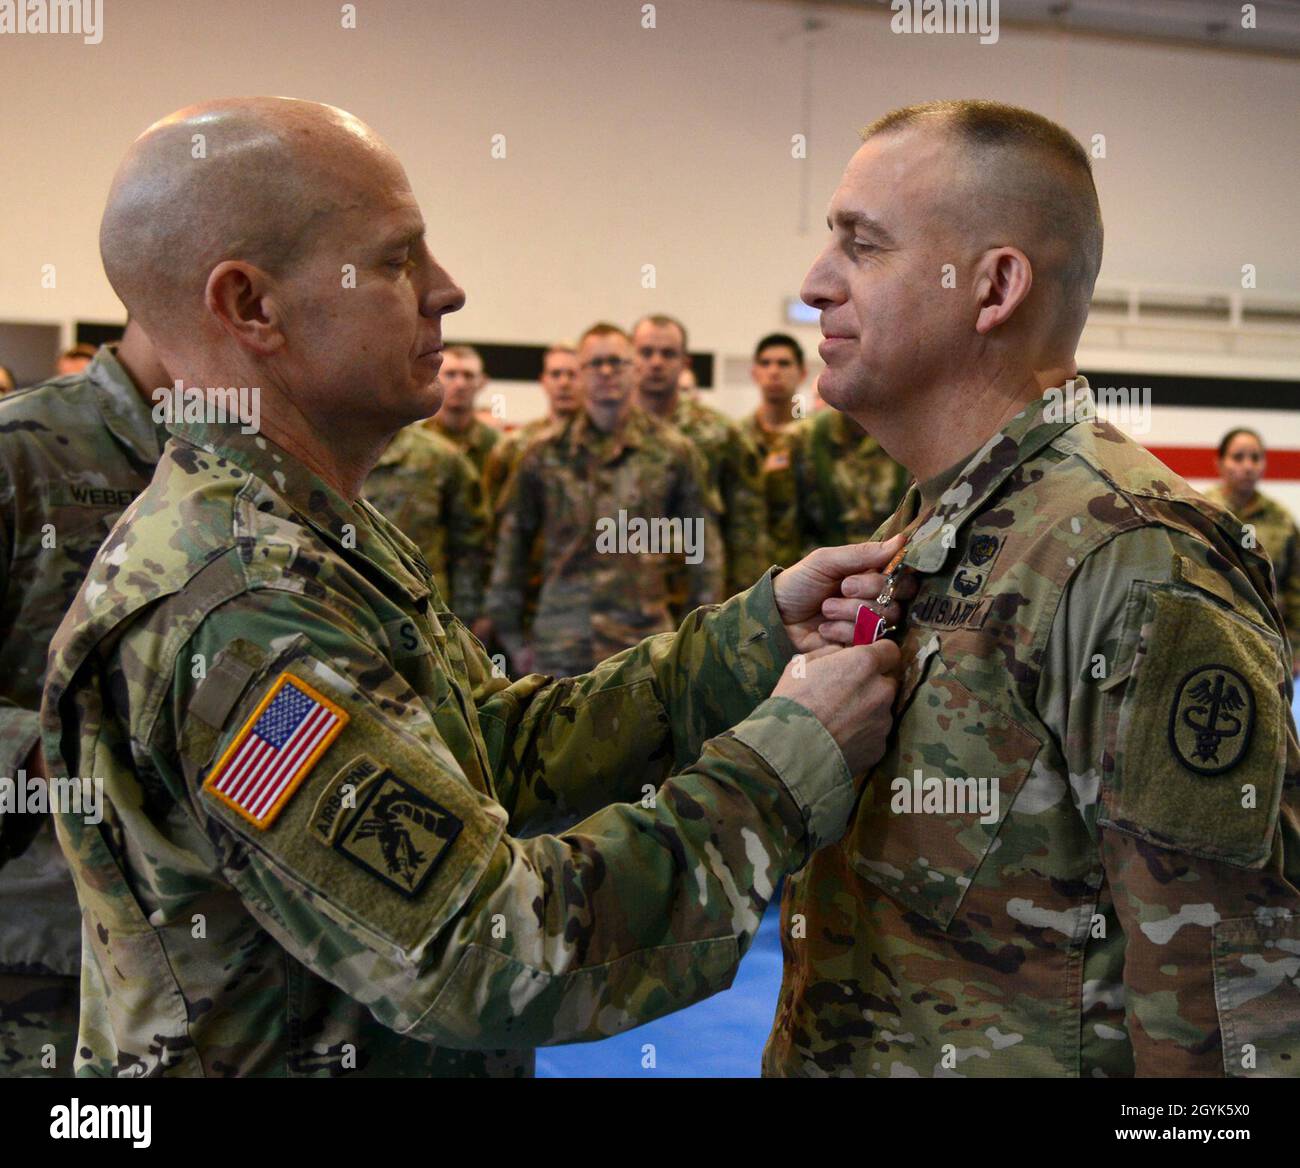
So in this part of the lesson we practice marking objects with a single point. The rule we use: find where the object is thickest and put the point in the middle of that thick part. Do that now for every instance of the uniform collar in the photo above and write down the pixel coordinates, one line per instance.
(355, 531)
(127, 416)
(1038, 424)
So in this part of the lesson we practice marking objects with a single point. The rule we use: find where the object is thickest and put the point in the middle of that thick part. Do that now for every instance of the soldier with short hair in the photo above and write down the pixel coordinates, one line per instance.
(463, 377)
(561, 382)
(661, 356)
(333, 840)
(778, 371)
(74, 451)
(617, 498)
(1079, 855)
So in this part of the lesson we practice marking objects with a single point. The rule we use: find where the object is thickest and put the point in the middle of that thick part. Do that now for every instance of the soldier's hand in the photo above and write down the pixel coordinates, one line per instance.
(851, 693)
(803, 590)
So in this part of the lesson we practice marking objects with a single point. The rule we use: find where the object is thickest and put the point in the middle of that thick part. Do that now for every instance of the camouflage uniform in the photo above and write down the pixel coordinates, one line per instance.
(785, 537)
(73, 452)
(847, 485)
(475, 441)
(593, 602)
(1090, 634)
(504, 456)
(429, 490)
(1276, 532)
(387, 915)
(500, 466)
(736, 479)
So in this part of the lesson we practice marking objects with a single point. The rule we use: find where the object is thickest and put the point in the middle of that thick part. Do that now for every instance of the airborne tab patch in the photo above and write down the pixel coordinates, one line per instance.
(398, 835)
(275, 750)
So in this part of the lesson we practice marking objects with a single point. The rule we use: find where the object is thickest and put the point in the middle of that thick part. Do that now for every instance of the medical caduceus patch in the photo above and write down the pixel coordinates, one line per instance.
(1211, 720)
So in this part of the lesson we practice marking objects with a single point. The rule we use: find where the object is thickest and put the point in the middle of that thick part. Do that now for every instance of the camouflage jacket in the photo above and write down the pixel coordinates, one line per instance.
(74, 452)
(736, 479)
(475, 441)
(324, 847)
(1274, 529)
(503, 457)
(427, 488)
(601, 504)
(785, 537)
(1080, 853)
(847, 485)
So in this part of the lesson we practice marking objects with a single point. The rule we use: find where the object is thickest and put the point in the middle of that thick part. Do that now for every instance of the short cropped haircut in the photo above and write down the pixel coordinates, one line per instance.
(662, 320)
(772, 340)
(1068, 193)
(464, 352)
(602, 328)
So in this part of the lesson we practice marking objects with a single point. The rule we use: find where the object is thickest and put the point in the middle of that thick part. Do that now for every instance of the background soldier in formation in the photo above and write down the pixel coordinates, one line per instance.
(561, 382)
(462, 378)
(432, 493)
(847, 486)
(1271, 526)
(778, 371)
(826, 480)
(613, 464)
(74, 452)
(661, 357)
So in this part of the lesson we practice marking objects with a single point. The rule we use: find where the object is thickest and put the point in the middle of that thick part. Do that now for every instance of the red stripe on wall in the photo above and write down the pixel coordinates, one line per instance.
(1197, 462)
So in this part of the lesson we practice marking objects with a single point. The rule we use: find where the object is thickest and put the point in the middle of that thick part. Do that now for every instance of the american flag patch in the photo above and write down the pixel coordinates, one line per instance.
(275, 750)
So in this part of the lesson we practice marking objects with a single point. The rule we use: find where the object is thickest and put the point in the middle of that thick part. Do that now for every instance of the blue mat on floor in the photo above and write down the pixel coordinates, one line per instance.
(721, 1037)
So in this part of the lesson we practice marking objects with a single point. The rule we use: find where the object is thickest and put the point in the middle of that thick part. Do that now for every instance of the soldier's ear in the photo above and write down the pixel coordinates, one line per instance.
(243, 299)
(1003, 277)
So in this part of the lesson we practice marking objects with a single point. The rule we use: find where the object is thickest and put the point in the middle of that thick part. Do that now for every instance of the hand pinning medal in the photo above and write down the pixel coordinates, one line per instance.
(870, 607)
(869, 626)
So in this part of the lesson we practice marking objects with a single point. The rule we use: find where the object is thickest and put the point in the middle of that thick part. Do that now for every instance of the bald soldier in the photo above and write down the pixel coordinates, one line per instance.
(1079, 854)
(74, 451)
(326, 839)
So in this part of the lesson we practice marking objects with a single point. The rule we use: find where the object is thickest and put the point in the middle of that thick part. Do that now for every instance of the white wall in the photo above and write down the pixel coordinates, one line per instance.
(629, 146)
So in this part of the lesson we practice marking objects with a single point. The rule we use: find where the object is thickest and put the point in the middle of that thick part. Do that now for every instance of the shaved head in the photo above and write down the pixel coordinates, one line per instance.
(255, 179)
(277, 245)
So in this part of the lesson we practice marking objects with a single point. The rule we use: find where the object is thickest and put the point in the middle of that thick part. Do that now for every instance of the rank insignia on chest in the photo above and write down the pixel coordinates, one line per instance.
(982, 549)
(974, 569)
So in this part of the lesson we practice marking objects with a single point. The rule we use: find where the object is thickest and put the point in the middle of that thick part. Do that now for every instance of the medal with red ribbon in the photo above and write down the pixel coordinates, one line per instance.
(869, 626)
